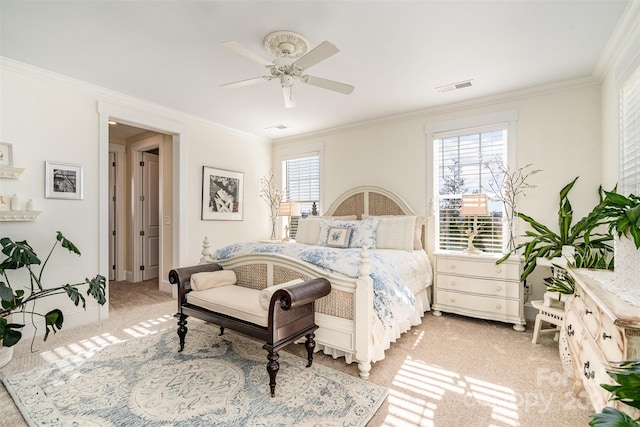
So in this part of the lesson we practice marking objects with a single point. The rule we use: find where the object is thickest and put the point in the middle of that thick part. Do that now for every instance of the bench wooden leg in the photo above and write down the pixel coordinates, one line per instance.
(272, 368)
(310, 344)
(221, 331)
(182, 330)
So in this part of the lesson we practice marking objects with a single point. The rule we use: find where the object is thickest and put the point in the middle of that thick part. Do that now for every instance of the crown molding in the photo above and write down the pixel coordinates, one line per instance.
(625, 35)
(103, 94)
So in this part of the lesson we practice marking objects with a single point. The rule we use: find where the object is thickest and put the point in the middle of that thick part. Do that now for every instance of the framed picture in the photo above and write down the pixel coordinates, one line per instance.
(63, 181)
(222, 194)
(6, 154)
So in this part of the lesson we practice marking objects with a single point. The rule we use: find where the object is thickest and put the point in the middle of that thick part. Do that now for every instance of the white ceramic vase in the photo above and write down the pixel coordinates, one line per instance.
(626, 263)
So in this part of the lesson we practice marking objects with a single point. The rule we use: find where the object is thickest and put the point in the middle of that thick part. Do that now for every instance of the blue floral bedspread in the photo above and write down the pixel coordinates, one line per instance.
(393, 299)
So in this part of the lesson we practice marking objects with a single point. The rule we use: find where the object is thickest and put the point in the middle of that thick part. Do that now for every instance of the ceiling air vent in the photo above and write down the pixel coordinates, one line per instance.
(278, 127)
(455, 86)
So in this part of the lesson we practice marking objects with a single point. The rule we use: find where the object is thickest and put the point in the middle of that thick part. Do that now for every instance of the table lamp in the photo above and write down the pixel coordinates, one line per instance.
(288, 209)
(474, 205)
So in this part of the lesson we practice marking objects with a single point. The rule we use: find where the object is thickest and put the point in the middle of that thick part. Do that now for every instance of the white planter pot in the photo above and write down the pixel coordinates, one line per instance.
(626, 264)
(6, 354)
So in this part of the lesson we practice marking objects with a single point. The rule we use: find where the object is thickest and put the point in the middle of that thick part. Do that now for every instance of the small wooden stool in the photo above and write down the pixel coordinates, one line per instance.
(552, 314)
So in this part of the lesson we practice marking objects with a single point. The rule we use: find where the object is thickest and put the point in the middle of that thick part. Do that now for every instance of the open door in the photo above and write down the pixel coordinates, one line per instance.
(150, 221)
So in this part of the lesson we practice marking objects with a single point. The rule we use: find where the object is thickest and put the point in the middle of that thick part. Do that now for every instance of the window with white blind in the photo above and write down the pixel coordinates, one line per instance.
(629, 180)
(463, 160)
(302, 185)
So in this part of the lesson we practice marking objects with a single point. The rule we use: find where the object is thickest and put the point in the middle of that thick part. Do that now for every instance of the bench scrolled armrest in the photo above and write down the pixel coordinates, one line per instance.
(300, 293)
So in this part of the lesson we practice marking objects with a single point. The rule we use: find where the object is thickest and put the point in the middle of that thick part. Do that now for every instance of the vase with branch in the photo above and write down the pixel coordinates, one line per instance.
(508, 184)
(271, 193)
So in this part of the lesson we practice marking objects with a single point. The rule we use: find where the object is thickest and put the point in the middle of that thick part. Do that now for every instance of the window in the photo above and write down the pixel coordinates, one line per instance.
(302, 185)
(463, 164)
(630, 135)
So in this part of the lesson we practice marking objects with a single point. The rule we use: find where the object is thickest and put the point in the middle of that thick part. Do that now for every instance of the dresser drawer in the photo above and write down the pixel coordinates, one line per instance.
(574, 328)
(610, 340)
(476, 303)
(591, 317)
(479, 286)
(592, 370)
(462, 267)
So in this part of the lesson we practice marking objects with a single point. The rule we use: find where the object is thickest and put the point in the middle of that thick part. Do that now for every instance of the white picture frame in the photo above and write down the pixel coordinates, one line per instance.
(6, 154)
(63, 181)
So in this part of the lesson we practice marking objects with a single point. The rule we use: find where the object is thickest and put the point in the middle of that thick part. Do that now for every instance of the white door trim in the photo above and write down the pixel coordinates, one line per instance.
(149, 121)
(120, 151)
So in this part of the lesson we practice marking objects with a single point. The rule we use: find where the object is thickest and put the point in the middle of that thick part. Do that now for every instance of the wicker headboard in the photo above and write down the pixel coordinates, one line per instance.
(369, 200)
(372, 200)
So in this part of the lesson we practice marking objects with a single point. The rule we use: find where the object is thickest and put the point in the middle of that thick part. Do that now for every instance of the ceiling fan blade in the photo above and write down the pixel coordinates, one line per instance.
(241, 50)
(328, 84)
(247, 82)
(289, 101)
(316, 55)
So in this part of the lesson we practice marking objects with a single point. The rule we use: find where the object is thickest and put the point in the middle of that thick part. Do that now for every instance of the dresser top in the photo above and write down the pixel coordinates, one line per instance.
(621, 312)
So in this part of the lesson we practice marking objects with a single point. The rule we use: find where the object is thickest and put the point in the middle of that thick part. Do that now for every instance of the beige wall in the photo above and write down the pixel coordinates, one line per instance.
(48, 117)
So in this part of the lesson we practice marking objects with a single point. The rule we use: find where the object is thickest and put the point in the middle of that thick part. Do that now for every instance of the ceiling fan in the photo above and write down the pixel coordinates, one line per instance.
(293, 58)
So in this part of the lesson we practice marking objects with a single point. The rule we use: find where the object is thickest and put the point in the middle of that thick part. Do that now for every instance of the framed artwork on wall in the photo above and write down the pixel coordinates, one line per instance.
(6, 154)
(63, 181)
(222, 194)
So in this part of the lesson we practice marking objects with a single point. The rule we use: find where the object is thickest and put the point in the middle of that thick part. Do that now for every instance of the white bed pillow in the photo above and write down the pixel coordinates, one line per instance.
(363, 233)
(212, 279)
(395, 232)
(309, 228)
(266, 294)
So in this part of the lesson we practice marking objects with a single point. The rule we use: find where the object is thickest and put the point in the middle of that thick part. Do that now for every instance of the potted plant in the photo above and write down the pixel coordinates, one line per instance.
(627, 376)
(591, 249)
(622, 214)
(272, 195)
(20, 299)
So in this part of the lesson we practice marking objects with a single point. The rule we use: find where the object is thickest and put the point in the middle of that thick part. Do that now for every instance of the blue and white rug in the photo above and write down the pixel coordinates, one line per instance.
(215, 381)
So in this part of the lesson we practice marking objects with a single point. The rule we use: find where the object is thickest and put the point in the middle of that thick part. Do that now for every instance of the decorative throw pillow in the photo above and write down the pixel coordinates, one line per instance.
(266, 294)
(363, 232)
(339, 237)
(212, 279)
(309, 228)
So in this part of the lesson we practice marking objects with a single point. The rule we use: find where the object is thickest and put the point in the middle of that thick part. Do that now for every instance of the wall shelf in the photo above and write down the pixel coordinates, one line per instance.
(18, 215)
(10, 172)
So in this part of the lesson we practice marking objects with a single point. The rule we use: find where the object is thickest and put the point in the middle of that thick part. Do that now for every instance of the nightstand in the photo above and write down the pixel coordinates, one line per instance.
(473, 285)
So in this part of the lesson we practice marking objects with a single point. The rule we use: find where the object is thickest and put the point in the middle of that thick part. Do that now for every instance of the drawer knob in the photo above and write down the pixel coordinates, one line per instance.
(605, 336)
(587, 311)
(452, 266)
(453, 283)
(498, 306)
(498, 270)
(570, 331)
(499, 288)
(588, 374)
(452, 300)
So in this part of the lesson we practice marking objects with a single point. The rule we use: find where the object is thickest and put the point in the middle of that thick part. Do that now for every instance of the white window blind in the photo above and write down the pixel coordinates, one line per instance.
(629, 180)
(460, 159)
(302, 185)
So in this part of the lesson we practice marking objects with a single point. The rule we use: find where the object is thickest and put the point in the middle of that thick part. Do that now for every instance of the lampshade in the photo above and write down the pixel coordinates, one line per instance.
(474, 205)
(289, 209)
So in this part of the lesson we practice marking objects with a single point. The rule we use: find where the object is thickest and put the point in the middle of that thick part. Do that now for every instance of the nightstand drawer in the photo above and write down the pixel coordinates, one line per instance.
(476, 303)
(479, 286)
(471, 267)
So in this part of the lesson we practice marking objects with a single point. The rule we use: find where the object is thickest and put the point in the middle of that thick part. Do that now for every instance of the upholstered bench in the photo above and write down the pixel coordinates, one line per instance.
(278, 315)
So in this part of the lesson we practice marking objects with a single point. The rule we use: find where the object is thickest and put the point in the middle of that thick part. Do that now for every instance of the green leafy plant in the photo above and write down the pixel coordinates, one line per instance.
(561, 283)
(21, 299)
(591, 248)
(622, 214)
(627, 376)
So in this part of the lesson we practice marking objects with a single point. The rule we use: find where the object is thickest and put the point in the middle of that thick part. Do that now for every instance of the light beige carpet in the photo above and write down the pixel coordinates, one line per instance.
(449, 371)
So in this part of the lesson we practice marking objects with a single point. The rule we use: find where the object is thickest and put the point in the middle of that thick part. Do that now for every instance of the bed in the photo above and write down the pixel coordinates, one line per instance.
(379, 272)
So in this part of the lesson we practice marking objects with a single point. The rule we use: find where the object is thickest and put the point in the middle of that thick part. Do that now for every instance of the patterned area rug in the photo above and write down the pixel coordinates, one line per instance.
(215, 381)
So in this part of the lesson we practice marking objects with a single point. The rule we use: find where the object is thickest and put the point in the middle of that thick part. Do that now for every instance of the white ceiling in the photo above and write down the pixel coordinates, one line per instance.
(395, 52)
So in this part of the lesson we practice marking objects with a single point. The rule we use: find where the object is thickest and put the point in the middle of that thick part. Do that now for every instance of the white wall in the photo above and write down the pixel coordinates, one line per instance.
(52, 118)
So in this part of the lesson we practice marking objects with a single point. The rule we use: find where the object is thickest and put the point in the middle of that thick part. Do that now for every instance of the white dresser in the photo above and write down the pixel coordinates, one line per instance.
(473, 285)
(600, 328)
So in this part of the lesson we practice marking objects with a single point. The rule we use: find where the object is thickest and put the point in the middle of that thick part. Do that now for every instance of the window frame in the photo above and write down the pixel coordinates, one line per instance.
(436, 130)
